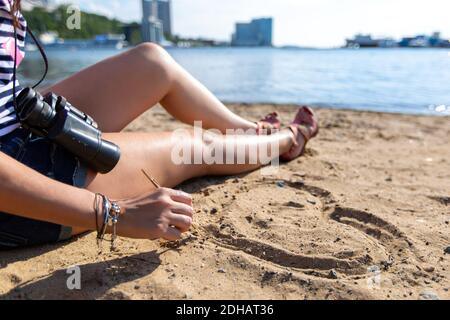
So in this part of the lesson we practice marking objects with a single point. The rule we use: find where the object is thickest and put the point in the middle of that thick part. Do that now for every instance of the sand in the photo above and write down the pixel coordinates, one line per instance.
(363, 215)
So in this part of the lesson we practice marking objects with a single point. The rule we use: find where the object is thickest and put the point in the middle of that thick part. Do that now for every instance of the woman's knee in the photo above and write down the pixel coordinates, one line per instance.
(155, 60)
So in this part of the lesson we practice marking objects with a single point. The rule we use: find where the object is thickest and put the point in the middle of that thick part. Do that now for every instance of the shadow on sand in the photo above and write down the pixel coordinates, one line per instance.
(96, 279)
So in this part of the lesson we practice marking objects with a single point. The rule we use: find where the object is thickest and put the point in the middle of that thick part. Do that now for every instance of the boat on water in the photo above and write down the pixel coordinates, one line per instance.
(421, 41)
(116, 41)
(366, 41)
(362, 41)
(53, 41)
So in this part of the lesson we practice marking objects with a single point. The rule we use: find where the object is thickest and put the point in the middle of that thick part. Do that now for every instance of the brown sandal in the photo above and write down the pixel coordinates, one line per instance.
(267, 125)
(306, 125)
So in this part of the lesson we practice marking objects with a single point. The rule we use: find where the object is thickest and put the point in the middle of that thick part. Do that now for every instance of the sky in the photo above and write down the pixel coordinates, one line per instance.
(311, 23)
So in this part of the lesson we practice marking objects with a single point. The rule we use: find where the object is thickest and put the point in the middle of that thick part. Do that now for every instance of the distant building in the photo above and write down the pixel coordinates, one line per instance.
(152, 28)
(162, 11)
(133, 33)
(165, 15)
(257, 33)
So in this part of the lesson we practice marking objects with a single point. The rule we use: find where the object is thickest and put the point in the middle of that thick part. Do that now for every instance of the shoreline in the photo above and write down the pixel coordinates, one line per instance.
(363, 215)
(338, 108)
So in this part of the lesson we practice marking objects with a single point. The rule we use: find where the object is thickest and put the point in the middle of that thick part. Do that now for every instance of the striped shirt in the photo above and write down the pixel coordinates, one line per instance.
(8, 119)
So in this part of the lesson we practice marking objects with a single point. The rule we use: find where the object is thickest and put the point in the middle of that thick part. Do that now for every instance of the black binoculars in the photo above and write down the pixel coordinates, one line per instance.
(53, 117)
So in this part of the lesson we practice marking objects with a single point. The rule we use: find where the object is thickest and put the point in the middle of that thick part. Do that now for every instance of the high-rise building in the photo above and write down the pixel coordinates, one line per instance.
(152, 29)
(165, 15)
(257, 33)
(162, 10)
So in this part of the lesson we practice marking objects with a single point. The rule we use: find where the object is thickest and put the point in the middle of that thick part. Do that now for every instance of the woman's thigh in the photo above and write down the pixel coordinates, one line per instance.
(149, 151)
(117, 90)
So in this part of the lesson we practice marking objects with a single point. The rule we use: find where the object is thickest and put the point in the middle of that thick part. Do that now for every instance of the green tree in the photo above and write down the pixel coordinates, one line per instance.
(41, 20)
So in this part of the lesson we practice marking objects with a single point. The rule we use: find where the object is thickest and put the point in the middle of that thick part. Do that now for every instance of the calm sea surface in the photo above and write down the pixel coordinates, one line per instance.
(396, 80)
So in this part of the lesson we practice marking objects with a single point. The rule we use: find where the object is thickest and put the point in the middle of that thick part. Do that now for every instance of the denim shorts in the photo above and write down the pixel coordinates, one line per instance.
(50, 160)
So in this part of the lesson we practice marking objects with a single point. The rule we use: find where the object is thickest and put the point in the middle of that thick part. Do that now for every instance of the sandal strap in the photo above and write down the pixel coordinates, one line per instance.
(267, 121)
(304, 132)
(259, 126)
(302, 129)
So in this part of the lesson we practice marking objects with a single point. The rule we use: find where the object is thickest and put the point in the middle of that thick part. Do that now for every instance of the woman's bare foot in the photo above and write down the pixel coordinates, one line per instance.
(304, 127)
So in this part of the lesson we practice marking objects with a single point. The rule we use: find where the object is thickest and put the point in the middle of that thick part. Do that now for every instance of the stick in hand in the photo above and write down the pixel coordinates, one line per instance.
(151, 179)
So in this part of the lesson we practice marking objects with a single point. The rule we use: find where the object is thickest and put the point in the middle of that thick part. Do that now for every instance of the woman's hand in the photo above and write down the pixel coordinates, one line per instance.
(165, 213)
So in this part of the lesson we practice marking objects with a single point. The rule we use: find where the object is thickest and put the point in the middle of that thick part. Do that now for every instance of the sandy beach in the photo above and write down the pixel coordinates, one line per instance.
(365, 214)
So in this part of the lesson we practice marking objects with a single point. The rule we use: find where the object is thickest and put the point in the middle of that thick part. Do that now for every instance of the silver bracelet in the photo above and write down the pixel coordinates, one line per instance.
(114, 214)
(111, 213)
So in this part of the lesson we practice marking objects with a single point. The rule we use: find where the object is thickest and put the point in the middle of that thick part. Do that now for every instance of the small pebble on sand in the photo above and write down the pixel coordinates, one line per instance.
(333, 274)
(281, 184)
(428, 295)
(428, 269)
(222, 270)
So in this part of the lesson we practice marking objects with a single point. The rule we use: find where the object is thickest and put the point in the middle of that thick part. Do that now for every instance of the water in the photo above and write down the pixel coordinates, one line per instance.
(395, 80)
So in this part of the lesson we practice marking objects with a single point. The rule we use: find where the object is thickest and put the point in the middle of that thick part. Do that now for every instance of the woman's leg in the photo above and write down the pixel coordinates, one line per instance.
(119, 89)
(159, 154)
(153, 153)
